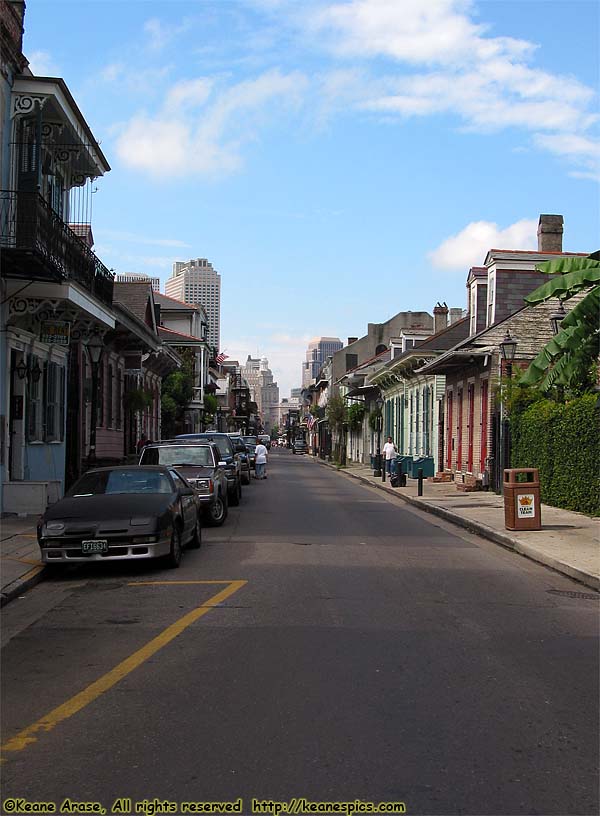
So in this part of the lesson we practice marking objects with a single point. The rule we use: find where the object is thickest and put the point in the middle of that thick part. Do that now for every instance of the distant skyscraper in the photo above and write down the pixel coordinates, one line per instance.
(263, 390)
(138, 277)
(319, 349)
(196, 281)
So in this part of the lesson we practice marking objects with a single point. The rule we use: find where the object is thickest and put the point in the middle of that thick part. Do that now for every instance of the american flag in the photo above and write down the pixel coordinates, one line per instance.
(220, 358)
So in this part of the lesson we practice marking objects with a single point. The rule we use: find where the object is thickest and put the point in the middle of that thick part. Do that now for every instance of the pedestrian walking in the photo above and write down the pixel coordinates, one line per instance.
(389, 451)
(142, 442)
(260, 461)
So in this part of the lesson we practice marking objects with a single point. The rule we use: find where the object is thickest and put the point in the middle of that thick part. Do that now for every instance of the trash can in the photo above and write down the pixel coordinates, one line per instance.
(423, 462)
(522, 509)
(397, 474)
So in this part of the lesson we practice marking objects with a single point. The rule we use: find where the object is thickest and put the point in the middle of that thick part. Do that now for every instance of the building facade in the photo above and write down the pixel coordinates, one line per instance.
(134, 277)
(196, 281)
(319, 349)
(264, 391)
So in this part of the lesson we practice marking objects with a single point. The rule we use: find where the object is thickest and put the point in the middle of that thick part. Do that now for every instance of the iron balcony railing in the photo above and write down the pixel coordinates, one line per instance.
(37, 244)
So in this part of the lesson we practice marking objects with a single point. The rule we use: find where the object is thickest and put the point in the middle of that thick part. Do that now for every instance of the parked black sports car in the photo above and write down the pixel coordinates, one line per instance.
(120, 513)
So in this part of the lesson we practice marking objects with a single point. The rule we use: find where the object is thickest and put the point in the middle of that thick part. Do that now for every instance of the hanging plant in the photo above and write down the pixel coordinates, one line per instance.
(138, 400)
(373, 419)
(356, 414)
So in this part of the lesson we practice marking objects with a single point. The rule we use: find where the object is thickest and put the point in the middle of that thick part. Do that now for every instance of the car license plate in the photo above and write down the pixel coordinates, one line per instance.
(96, 545)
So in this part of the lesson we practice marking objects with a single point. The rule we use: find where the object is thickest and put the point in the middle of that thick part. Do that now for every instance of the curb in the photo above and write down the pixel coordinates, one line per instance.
(21, 585)
(482, 529)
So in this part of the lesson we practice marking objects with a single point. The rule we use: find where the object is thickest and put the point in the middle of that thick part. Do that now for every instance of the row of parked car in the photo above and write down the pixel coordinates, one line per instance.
(154, 509)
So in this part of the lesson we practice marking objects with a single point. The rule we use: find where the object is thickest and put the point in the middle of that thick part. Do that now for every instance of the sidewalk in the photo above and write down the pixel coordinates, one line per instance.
(568, 542)
(20, 563)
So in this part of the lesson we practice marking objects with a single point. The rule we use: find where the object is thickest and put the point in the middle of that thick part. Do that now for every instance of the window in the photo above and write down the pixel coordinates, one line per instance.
(34, 405)
(109, 398)
(491, 316)
(351, 361)
(55, 403)
(100, 394)
(119, 405)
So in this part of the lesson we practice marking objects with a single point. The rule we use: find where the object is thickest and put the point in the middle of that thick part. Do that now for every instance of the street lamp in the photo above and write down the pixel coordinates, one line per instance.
(508, 347)
(379, 419)
(557, 317)
(95, 348)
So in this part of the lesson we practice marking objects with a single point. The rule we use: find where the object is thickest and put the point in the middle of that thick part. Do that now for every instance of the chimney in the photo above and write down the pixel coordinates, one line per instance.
(352, 340)
(550, 232)
(456, 314)
(440, 317)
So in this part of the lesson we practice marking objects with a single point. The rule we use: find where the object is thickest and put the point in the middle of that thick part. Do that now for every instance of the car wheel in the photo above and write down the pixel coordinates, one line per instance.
(246, 479)
(236, 494)
(174, 557)
(217, 512)
(196, 540)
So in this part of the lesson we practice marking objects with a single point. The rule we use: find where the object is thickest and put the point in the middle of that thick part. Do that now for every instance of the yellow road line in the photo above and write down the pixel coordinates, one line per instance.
(167, 583)
(23, 560)
(28, 736)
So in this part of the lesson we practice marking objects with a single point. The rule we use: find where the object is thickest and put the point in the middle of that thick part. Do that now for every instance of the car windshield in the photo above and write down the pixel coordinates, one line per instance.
(109, 482)
(197, 455)
(250, 440)
(222, 442)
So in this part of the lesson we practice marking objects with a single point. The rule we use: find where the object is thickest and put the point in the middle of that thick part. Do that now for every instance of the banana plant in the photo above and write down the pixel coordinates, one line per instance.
(568, 357)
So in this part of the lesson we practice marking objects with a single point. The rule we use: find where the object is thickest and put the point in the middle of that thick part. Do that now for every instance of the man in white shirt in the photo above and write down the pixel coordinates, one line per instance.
(389, 451)
(260, 461)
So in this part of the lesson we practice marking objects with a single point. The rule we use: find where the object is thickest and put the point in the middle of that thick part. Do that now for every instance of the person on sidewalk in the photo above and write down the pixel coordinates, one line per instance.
(389, 452)
(260, 461)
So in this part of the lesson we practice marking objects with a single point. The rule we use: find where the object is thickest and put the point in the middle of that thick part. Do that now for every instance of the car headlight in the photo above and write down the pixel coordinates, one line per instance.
(204, 484)
(53, 528)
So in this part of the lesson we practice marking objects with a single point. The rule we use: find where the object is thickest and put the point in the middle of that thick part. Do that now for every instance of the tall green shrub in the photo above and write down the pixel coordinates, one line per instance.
(563, 441)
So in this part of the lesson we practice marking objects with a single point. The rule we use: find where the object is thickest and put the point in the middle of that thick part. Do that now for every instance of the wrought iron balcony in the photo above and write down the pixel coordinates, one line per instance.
(37, 245)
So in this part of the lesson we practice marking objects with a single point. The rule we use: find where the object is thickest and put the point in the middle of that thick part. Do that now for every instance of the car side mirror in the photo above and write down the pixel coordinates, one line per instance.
(186, 491)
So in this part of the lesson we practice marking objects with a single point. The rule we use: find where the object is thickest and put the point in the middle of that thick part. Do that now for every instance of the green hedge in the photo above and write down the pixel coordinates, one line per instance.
(563, 441)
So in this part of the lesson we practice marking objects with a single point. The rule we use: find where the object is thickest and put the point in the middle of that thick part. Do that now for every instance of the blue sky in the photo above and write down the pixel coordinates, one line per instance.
(337, 162)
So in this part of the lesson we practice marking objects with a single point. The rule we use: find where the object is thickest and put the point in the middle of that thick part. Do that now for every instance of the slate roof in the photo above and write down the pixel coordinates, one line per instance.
(134, 296)
(168, 302)
(171, 336)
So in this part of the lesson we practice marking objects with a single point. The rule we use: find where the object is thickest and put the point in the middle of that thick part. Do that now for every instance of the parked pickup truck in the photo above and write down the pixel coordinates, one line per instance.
(199, 464)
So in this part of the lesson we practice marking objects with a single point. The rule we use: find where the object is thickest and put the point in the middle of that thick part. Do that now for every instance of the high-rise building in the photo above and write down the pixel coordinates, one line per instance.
(137, 277)
(319, 349)
(263, 390)
(196, 281)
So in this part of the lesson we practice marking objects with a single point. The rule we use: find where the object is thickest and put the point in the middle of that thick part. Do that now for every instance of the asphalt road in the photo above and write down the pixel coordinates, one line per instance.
(373, 653)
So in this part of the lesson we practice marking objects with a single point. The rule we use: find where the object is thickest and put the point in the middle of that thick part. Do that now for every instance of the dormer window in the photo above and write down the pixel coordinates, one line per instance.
(491, 299)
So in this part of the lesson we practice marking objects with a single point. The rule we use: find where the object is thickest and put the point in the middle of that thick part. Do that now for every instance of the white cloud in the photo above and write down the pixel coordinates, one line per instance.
(200, 132)
(446, 63)
(469, 247)
(161, 34)
(581, 150)
(438, 31)
(135, 80)
(42, 63)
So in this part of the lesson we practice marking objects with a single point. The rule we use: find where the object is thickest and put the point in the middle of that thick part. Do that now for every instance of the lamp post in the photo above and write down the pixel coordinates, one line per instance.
(95, 348)
(508, 348)
(379, 419)
(557, 317)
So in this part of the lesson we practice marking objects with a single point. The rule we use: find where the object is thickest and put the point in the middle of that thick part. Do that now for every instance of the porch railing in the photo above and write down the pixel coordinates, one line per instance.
(37, 244)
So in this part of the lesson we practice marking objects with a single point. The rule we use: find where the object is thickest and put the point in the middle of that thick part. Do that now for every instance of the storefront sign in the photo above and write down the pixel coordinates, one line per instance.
(525, 505)
(56, 332)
